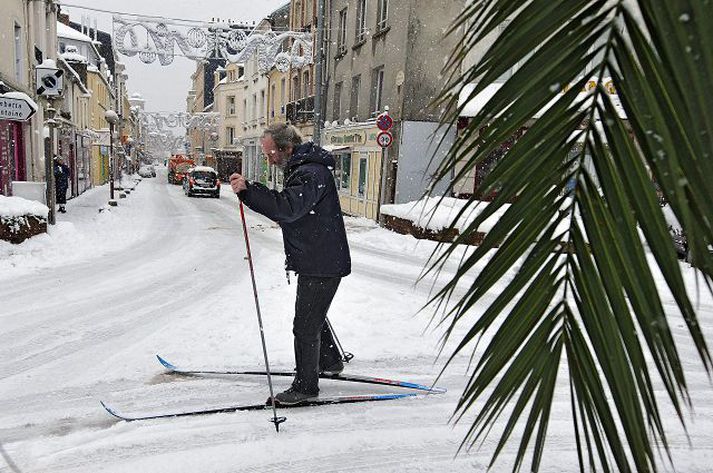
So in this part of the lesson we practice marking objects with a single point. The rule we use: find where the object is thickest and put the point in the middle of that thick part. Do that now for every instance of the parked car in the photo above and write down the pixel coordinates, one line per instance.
(201, 180)
(147, 171)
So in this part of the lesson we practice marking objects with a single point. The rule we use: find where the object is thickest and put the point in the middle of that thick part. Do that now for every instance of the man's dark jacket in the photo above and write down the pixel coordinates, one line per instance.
(308, 211)
(61, 177)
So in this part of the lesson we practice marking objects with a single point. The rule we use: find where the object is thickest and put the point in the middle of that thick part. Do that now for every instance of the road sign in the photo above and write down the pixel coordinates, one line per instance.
(49, 81)
(16, 108)
(384, 139)
(384, 122)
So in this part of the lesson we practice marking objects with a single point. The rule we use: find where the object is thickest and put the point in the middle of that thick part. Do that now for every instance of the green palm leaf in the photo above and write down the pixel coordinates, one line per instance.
(583, 301)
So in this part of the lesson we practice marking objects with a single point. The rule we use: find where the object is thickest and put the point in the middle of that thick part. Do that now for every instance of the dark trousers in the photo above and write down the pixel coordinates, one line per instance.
(314, 344)
(61, 195)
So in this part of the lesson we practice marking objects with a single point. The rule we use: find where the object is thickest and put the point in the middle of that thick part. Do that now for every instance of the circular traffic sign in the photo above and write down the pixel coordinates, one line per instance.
(384, 122)
(384, 139)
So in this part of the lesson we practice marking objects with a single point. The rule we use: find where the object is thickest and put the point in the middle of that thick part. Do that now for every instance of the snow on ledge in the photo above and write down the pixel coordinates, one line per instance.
(17, 207)
(429, 214)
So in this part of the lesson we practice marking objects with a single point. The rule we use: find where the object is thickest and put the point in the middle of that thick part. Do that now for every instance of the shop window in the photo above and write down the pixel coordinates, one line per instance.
(342, 171)
(362, 176)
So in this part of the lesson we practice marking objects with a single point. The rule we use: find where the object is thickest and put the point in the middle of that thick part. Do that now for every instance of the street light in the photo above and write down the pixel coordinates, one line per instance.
(111, 117)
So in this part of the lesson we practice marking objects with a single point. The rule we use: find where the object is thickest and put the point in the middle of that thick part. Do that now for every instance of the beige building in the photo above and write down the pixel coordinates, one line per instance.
(102, 96)
(228, 95)
(73, 130)
(29, 37)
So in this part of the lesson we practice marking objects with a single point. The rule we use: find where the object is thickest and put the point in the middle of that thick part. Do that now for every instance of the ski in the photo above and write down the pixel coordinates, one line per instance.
(339, 377)
(259, 407)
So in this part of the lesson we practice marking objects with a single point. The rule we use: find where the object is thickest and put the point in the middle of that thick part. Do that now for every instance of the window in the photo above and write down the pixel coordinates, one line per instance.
(377, 89)
(245, 110)
(342, 170)
(360, 35)
(342, 33)
(273, 90)
(362, 176)
(382, 15)
(231, 105)
(295, 87)
(305, 84)
(18, 53)
(282, 95)
(337, 101)
(230, 134)
(263, 104)
(354, 99)
(253, 115)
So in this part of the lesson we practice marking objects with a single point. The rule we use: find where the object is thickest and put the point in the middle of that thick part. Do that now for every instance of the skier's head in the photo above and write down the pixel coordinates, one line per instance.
(278, 141)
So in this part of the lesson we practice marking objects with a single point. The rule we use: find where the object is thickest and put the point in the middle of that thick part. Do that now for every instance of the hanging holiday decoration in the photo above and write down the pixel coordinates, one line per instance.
(190, 121)
(151, 40)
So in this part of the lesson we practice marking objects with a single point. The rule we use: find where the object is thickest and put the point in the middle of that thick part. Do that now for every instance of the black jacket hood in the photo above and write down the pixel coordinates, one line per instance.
(310, 153)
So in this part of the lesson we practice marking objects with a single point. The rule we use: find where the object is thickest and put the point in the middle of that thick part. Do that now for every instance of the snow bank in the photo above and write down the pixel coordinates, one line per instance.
(436, 213)
(17, 207)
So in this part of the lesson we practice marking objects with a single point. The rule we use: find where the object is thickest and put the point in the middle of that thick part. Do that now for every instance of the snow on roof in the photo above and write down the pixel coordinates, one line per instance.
(17, 207)
(66, 32)
(73, 56)
(476, 104)
(204, 168)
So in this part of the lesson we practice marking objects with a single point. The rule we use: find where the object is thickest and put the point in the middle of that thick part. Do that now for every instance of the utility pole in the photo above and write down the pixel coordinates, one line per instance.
(49, 163)
(319, 59)
(112, 118)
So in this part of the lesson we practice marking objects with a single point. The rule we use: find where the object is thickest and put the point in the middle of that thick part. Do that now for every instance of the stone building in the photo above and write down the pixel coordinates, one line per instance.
(29, 37)
(385, 53)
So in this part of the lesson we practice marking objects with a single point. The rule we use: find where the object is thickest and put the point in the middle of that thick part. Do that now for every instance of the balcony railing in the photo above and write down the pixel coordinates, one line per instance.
(301, 111)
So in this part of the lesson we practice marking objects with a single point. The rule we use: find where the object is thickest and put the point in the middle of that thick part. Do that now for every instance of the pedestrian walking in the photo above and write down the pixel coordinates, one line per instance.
(316, 248)
(61, 182)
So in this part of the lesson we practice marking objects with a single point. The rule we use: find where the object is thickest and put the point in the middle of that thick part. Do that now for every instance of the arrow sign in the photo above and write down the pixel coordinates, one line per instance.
(16, 108)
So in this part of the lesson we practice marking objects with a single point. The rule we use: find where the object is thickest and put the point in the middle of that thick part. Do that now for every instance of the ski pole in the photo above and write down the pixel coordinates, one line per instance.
(275, 419)
(346, 356)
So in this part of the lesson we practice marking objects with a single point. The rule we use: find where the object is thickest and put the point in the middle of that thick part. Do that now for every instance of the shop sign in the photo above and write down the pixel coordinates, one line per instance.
(18, 109)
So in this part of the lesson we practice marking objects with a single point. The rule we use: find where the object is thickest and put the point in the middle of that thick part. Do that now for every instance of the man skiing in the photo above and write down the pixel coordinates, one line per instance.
(316, 248)
(61, 182)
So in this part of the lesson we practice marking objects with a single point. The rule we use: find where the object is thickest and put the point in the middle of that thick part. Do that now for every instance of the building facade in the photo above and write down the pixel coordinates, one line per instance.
(29, 37)
(228, 95)
(376, 61)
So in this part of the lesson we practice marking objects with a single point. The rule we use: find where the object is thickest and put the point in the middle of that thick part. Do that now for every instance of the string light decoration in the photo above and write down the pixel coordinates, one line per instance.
(190, 121)
(230, 41)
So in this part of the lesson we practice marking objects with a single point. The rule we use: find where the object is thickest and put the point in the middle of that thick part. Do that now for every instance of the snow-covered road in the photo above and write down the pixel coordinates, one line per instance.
(84, 312)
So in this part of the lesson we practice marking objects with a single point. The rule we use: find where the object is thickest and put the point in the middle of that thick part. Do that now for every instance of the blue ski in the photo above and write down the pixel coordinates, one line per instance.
(259, 407)
(339, 377)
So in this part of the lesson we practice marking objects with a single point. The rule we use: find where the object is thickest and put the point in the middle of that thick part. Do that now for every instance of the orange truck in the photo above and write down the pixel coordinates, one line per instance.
(178, 166)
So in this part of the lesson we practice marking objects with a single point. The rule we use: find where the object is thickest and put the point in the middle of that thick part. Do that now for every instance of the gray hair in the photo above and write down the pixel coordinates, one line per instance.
(283, 135)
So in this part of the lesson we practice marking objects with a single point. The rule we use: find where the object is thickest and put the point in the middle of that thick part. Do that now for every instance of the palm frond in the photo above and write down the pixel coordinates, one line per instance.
(584, 300)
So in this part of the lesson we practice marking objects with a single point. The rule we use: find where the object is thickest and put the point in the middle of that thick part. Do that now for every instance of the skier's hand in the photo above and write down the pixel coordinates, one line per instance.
(237, 182)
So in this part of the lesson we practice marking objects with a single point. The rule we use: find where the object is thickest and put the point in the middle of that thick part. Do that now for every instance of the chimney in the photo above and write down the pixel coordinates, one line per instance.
(63, 18)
